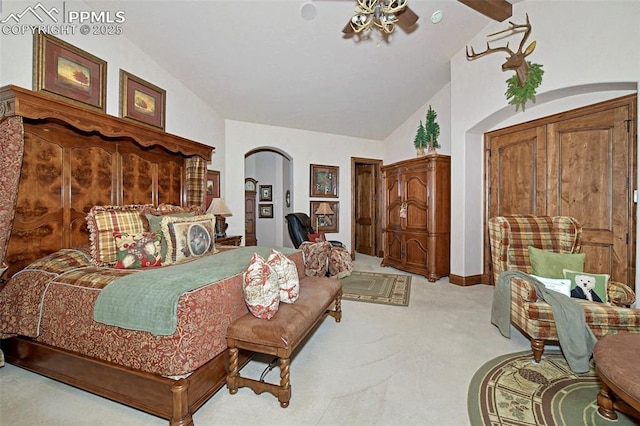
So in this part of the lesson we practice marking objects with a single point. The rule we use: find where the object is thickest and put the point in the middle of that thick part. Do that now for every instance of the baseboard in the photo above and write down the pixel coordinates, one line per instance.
(468, 280)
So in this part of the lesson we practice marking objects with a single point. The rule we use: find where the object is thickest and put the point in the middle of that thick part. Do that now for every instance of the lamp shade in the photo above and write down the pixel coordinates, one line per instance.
(324, 208)
(219, 208)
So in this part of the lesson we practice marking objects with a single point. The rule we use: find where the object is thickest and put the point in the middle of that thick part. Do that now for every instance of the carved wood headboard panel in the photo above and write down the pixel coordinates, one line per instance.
(75, 158)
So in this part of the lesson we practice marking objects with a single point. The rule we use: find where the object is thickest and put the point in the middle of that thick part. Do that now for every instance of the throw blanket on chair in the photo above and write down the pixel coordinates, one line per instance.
(575, 337)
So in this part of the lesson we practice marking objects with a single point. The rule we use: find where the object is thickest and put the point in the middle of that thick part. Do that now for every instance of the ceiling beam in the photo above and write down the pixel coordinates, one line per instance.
(498, 10)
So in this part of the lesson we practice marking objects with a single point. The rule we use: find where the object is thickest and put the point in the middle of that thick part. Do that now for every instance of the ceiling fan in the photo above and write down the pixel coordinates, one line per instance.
(385, 14)
(380, 14)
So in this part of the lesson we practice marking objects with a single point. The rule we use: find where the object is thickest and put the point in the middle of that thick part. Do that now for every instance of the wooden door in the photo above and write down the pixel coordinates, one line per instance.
(580, 163)
(589, 175)
(365, 211)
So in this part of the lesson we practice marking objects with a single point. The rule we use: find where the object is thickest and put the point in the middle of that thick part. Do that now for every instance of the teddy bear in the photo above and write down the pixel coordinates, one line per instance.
(584, 288)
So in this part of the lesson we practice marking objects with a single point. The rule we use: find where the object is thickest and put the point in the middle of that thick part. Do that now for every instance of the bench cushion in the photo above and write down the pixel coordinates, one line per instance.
(292, 321)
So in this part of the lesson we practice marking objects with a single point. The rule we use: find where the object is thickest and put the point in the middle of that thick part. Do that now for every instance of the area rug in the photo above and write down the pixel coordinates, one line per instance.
(387, 289)
(512, 390)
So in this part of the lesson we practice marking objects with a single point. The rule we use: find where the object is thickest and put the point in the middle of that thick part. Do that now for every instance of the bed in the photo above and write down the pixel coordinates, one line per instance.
(75, 158)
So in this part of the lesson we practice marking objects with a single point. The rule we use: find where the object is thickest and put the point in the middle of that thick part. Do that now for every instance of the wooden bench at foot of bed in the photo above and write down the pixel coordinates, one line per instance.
(281, 335)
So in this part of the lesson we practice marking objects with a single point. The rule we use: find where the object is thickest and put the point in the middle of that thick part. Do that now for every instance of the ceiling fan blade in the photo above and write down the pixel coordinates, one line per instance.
(348, 29)
(407, 18)
(498, 10)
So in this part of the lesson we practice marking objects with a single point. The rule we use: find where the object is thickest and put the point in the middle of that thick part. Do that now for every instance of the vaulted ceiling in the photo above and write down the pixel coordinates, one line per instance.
(286, 62)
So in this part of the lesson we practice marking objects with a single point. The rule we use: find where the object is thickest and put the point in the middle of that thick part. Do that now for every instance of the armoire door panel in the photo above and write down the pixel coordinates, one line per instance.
(516, 177)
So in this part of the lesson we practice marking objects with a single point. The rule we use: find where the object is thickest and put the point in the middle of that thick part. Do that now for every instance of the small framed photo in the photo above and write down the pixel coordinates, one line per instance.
(324, 181)
(67, 71)
(324, 216)
(265, 211)
(141, 100)
(266, 193)
(213, 186)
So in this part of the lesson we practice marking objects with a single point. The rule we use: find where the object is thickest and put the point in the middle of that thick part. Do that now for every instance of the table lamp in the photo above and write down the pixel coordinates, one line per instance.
(221, 211)
(323, 210)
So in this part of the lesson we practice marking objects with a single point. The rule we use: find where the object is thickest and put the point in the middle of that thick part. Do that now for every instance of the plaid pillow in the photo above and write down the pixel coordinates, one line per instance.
(103, 221)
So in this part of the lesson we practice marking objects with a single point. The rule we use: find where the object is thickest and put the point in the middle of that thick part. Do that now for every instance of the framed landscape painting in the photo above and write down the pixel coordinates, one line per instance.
(67, 71)
(141, 100)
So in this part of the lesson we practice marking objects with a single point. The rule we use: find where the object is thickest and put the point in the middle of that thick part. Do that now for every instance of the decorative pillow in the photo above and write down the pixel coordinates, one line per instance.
(550, 265)
(315, 257)
(560, 285)
(103, 221)
(317, 238)
(188, 238)
(137, 251)
(340, 263)
(156, 227)
(287, 273)
(587, 286)
(260, 288)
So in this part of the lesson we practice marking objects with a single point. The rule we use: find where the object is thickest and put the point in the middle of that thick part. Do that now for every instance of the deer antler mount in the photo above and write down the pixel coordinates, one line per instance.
(523, 85)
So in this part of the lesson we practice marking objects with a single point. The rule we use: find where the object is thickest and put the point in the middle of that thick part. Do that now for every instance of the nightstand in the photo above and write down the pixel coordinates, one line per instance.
(229, 240)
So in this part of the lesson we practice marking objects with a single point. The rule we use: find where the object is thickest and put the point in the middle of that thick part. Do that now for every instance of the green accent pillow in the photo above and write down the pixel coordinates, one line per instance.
(550, 265)
(588, 286)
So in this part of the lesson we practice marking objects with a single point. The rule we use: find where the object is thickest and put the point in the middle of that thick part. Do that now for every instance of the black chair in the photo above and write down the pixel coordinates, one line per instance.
(300, 227)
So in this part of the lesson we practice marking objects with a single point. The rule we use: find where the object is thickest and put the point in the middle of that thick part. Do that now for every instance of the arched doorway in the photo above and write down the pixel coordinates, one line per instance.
(273, 171)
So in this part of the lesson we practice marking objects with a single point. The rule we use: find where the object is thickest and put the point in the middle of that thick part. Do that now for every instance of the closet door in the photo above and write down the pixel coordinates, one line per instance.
(579, 163)
(590, 175)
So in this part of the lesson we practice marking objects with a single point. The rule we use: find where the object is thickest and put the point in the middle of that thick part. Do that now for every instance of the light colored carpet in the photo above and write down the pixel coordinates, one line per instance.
(382, 365)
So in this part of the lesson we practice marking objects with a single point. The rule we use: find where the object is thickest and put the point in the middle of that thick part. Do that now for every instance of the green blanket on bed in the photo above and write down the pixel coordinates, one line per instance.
(148, 300)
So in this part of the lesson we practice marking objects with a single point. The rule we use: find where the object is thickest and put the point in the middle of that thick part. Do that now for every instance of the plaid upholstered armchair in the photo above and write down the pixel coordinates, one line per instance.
(510, 237)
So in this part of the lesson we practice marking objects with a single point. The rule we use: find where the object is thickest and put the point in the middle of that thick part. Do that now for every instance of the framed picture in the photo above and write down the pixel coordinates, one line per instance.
(213, 186)
(324, 216)
(67, 71)
(266, 193)
(265, 211)
(141, 100)
(324, 181)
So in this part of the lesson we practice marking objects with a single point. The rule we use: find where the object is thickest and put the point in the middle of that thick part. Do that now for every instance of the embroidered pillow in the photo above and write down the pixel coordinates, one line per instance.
(560, 285)
(137, 251)
(586, 286)
(155, 227)
(550, 264)
(103, 221)
(188, 238)
(287, 273)
(340, 263)
(260, 288)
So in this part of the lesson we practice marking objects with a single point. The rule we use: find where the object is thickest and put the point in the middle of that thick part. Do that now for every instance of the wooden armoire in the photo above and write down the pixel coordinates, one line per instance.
(418, 215)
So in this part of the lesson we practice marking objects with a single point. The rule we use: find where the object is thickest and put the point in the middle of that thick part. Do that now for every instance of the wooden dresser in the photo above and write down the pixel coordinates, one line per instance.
(417, 222)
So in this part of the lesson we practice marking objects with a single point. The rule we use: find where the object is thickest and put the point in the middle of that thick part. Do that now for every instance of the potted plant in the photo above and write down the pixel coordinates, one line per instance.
(431, 132)
(420, 140)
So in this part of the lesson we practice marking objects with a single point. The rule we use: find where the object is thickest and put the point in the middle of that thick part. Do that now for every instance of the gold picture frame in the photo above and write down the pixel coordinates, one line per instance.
(328, 223)
(63, 69)
(142, 101)
(324, 181)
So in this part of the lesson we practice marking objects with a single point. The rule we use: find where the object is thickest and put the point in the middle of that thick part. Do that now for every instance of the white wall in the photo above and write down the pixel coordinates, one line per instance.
(399, 145)
(580, 52)
(186, 114)
(305, 148)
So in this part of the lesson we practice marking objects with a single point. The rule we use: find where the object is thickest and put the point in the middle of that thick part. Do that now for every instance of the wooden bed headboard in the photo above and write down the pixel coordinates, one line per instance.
(76, 157)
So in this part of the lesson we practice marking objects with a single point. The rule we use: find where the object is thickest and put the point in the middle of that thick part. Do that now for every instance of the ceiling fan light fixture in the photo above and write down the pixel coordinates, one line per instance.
(380, 14)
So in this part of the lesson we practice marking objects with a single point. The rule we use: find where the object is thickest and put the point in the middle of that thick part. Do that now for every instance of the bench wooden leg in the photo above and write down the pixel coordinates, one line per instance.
(284, 391)
(336, 312)
(232, 377)
(537, 346)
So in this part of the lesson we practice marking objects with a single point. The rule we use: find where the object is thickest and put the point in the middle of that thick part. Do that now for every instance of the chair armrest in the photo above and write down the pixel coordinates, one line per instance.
(523, 289)
(620, 294)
